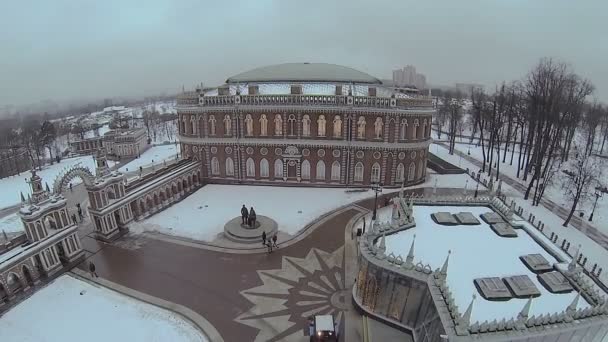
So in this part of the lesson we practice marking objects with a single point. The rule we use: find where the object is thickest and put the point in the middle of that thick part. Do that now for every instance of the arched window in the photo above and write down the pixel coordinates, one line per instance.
(400, 173)
(305, 169)
(420, 169)
(263, 125)
(229, 167)
(278, 125)
(215, 166)
(321, 125)
(403, 129)
(359, 172)
(411, 172)
(211, 125)
(278, 168)
(361, 128)
(291, 122)
(335, 171)
(378, 126)
(416, 124)
(375, 176)
(248, 125)
(306, 125)
(192, 124)
(264, 168)
(250, 167)
(320, 170)
(227, 125)
(337, 126)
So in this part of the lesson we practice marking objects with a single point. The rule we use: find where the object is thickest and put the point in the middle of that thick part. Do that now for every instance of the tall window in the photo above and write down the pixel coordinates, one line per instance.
(420, 169)
(403, 129)
(320, 170)
(361, 128)
(229, 167)
(227, 125)
(416, 124)
(248, 125)
(278, 168)
(400, 173)
(337, 127)
(291, 122)
(250, 167)
(375, 176)
(263, 125)
(359, 172)
(278, 125)
(306, 125)
(192, 124)
(335, 171)
(411, 172)
(321, 125)
(215, 166)
(305, 169)
(211, 125)
(424, 133)
(264, 168)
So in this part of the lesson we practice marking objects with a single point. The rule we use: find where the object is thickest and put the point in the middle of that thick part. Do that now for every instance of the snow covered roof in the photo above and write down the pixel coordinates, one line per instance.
(304, 72)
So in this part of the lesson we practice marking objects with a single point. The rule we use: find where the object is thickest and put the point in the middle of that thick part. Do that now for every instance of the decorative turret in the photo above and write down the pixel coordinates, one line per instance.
(523, 315)
(572, 264)
(572, 307)
(101, 163)
(38, 193)
(465, 319)
(410, 255)
(382, 246)
(444, 268)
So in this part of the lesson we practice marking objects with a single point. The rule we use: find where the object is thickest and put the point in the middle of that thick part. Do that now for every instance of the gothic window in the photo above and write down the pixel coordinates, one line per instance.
(305, 169)
(250, 167)
(248, 125)
(411, 173)
(227, 125)
(292, 124)
(420, 169)
(378, 125)
(416, 124)
(321, 124)
(403, 129)
(335, 171)
(375, 176)
(229, 167)
(263, 125)
(306, 125)
(361, 128)
(424, 129)
(359, 172)
(320, 170)
(278, 125)
(400, 173)
(211, 125)
(215, 166)
(337, 127)
(264, 168)
(192, 124)
(278, 168)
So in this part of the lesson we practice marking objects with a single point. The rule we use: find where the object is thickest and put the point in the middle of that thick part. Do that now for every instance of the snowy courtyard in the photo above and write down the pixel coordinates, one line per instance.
(476, 252)
(202, 215)
(70, 309)
(154, 155)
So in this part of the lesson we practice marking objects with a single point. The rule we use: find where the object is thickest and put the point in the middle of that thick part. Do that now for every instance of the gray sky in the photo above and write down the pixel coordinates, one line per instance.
(64, 50)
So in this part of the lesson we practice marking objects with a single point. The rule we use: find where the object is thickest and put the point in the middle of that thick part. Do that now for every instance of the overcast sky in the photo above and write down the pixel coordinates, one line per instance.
(63, 50)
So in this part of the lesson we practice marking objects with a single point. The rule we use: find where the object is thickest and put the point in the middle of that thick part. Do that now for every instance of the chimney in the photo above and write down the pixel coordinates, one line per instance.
(296, 89)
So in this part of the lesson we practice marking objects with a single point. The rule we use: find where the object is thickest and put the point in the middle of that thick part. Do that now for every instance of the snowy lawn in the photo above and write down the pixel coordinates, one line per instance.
(15, 184)
(73, 310)
(476, 252)
(202, 215)
(11, 223)
(154, 155)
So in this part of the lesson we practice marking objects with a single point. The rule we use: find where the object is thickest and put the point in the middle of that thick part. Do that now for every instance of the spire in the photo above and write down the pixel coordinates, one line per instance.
(410, 255)
(22, 198)
(525, 312)
(572, 264)
(466, 317)
(101, 164)
(383, 242)
(444, 268)
(574, 304)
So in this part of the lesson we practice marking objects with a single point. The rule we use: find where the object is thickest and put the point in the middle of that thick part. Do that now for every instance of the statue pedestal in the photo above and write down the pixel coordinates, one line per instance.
(235, 231)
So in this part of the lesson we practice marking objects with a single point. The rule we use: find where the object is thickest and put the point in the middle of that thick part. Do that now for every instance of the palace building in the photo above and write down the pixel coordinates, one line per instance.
(307, 124)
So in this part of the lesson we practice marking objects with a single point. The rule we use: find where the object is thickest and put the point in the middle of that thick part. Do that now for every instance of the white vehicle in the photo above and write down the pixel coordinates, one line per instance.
(324, 329)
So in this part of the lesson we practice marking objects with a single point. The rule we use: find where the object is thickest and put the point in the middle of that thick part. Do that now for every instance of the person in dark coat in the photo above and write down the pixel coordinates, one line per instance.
(274, 241)
(92, 270)
(244, 214)
(263, 237)
(252, 218)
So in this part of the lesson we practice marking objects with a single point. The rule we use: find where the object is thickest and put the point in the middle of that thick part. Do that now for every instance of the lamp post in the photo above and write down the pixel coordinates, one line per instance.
(476, 190)
(466, 185)
(599, 193)
(377, 187)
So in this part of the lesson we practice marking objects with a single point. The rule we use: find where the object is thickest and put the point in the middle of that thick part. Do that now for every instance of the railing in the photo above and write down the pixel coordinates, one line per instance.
(192, 99)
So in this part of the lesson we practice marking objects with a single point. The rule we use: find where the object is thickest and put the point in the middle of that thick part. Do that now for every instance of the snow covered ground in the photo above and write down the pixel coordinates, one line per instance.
(154, 155)
(69, 309)
(11, 223)
(15, 184)
(202, 215)
(476, 252)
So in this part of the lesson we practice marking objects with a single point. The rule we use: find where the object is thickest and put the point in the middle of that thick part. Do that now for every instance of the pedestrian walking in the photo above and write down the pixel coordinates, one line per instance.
(80, 213)
(74, 219)
(92, 270)
(70, 187)
(263, 237)
(269, 245)
(274, 241)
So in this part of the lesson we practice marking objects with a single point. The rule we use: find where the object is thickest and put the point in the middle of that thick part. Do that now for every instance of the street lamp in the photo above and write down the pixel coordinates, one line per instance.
(377, 187)
(599, 193)
(466, 185)
(476, 190)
